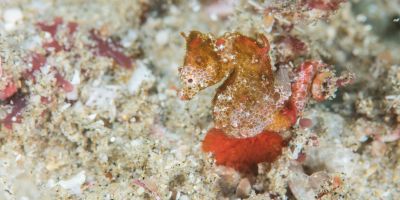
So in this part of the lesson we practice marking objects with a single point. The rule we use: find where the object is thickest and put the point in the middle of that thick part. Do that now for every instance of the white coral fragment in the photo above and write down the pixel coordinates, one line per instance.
(11, 17)
(141, 75)
(103, 98)
(335, 159)
(74, 183)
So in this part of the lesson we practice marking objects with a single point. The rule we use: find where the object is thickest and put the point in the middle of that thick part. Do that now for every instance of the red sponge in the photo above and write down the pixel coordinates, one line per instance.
(243, 154)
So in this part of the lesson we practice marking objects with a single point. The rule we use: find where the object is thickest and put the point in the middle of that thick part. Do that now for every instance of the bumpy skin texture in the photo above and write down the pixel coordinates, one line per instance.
(202, 65)
(249, 108)
(244, 103)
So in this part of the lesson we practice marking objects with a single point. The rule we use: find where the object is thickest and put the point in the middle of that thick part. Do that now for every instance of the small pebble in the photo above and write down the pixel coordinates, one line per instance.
(139, 76)
(184, 197)
(244, 188)
(305, 123)
(11, 17)
(378, 148)
(74, 183)
(162, 37)
(129, 38)
(229, 178)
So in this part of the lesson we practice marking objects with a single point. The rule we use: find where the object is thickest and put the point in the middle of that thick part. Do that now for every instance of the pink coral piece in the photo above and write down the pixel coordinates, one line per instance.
(8, 91)
(327, 5)
(51, 28)
(64, 84)
(19, 102)
(110, 49)
(37, 61)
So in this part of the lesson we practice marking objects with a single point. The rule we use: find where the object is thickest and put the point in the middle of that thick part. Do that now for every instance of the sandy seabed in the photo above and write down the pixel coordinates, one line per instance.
(105, 122)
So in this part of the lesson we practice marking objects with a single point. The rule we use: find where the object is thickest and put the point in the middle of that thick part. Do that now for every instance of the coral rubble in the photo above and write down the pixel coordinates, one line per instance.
(90, 109)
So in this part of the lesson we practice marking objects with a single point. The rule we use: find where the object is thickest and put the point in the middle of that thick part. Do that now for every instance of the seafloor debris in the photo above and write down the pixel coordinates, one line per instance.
(133, 138)
(18, 103)
(151, 190)
(37, 61)
(302, 11)
(318, 185)
(7, 86)
(74, 184)
(111, 49)
(253, 104)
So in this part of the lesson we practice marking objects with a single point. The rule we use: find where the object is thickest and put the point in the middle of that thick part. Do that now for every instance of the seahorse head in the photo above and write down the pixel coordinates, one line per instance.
(202, 65)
